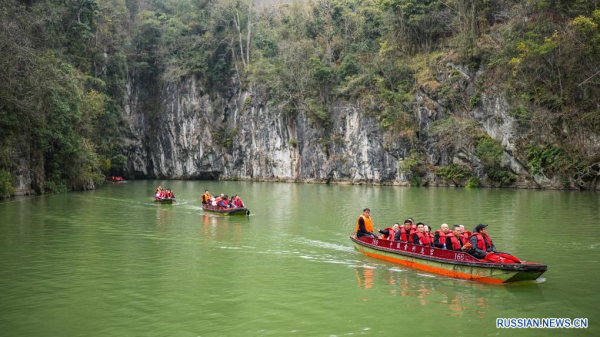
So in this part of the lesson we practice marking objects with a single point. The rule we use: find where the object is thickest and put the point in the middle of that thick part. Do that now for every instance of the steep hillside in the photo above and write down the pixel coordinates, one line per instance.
(430, 92)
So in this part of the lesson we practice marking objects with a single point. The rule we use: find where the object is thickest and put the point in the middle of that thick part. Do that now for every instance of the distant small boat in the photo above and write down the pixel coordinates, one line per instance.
(447, 262)
(164, 200)
(116, 179)
(226, 211)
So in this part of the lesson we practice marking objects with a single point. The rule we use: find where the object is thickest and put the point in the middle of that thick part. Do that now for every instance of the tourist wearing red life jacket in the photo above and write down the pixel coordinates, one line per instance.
(413, 227)
(224, 202)
(439, 238)
(419, 237)
(482, 243)
(237, 202)
(390, 233)
(364, 225)
(464, 233)
(405, 231)
(427, 231)
(456, 242)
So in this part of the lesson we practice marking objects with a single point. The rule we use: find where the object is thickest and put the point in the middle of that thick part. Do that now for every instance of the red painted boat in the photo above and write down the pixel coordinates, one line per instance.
(447, 262)
(226, 211)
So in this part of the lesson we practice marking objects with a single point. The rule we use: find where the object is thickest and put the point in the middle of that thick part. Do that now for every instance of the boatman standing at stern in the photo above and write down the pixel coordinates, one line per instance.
(205, 197)
(364, 225)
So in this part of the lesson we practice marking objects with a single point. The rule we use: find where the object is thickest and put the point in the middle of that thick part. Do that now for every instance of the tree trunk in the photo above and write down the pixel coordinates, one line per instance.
(236, 20)
(249, 33)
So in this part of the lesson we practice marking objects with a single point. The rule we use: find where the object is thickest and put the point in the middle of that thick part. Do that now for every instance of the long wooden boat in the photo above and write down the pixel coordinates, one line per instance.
(226, 211)
(164, 200)
(446, 262)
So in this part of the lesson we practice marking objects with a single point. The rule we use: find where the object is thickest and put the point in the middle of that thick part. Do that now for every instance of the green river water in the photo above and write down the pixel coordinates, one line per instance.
(111, 263)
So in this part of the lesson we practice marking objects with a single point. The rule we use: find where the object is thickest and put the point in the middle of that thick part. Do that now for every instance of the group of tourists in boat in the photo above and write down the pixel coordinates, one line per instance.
(478, 243)
(222, 200)
(162, 194)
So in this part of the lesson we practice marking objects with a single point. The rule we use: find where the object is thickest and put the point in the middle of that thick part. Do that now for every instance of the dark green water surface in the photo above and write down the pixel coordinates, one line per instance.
(111, 263)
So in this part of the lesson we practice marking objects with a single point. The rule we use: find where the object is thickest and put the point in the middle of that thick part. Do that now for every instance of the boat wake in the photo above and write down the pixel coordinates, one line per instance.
(327, 245)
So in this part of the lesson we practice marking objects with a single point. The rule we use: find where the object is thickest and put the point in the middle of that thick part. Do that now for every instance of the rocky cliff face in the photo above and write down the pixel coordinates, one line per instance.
(238, 136)
(195, 134)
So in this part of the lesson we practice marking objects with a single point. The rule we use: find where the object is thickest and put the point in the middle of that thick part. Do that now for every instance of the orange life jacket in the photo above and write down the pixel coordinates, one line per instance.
(205, 197)
(481, 244)
(368, 224)
(454, 242)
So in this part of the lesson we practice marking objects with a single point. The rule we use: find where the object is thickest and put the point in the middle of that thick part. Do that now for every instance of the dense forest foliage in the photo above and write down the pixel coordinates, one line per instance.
(64, 67)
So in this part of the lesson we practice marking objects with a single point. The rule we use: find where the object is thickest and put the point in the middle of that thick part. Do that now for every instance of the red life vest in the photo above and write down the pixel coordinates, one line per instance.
(238, 203)
(454, 242)
(441, 234)
(466, 235)
(482, 244)
(403, 234)
(390, 235)
(423, 238)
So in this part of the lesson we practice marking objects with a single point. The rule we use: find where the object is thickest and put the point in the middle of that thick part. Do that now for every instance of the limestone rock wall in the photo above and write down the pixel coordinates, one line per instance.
(198, 134)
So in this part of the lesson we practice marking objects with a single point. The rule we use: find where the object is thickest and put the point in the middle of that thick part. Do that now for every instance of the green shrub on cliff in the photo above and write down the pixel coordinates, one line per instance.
(453, 172)
(6, 184)
(473, 183)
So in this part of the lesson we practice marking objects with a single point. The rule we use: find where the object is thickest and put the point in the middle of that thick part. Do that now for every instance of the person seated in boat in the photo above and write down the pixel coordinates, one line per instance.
(439, 239)
(364, 225)
(158, 191)
(224, 202)
(456, 242)
(481, 242)
(427, 231)
(389, 233)
(465, 233)
(419, 237)
(238, 203)
(171, 195)
(405, 231)
(412, 224)
(213, 201)
(205, 197)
